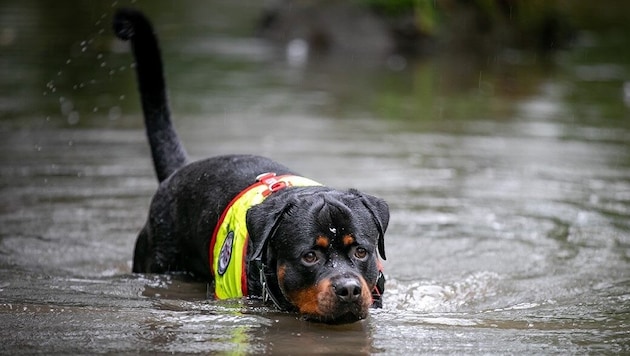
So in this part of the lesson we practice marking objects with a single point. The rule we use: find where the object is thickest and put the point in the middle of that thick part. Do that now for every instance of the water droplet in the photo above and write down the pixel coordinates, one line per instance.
(297, 52)
(99, 56)
(73, 118)
(103, 64)
(396, 63)
(69, 61)
(114, 113)
(122, 97)
(66, 107)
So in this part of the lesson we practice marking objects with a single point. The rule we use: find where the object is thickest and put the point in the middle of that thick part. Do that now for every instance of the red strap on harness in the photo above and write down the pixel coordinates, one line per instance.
(272, 182)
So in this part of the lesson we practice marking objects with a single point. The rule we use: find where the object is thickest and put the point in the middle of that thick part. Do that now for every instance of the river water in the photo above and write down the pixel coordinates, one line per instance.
(508, 181)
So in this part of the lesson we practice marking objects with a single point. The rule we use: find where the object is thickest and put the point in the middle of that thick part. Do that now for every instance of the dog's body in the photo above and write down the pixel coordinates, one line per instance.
(310, 248)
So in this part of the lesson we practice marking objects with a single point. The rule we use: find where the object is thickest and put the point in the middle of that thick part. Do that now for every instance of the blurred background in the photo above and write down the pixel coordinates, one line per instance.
(398, 60)
(497, 130)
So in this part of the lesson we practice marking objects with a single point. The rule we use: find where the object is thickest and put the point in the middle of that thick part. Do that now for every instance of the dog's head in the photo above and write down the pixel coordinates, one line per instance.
(323, 246)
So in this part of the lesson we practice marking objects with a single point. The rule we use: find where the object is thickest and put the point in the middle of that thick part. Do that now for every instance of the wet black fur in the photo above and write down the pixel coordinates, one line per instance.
(191, 197)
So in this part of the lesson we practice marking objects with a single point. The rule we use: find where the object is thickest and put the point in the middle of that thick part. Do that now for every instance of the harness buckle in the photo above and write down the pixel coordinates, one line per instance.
(263, 177)
(276, 186)
(272, 182)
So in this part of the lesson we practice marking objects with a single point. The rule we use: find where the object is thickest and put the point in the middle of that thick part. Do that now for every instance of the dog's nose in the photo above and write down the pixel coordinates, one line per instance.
(347, 290)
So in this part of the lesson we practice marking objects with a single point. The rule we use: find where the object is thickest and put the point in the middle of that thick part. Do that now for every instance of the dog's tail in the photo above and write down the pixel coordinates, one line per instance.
(166, 148)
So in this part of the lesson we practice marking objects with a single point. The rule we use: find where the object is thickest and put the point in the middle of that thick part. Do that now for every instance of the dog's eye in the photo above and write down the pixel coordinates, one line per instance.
(309, 257)
(360, 253)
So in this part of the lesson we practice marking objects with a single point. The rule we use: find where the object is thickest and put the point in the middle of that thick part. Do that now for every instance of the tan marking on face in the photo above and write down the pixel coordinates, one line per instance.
(366, 294)
(308, 300)
(322, 241)
(347, 240)
(282, 269)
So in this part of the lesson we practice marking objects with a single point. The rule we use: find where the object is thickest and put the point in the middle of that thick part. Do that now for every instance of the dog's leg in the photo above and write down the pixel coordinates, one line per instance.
(167, 150)
(157, 247)
(141, 259)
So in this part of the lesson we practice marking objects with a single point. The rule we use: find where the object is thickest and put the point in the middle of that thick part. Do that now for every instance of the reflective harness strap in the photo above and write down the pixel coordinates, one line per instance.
(228, 245)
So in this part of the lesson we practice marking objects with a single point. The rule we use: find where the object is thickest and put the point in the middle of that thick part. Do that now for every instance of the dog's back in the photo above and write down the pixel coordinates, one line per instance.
(177, 232)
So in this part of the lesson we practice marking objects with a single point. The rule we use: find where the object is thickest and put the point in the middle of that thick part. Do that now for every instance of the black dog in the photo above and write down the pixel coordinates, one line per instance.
(248, 224)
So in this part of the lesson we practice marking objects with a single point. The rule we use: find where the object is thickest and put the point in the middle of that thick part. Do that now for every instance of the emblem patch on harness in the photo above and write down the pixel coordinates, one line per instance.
(226, 253)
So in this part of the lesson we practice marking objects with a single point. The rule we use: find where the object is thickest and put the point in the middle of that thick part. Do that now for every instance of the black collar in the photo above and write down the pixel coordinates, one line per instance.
(269, 285)
(266, 268)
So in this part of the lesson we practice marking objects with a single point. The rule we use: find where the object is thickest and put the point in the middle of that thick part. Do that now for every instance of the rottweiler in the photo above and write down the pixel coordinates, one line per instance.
(248, 225)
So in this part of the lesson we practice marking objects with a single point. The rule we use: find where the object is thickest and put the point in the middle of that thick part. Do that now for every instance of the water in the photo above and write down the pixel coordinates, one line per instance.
(509, 186)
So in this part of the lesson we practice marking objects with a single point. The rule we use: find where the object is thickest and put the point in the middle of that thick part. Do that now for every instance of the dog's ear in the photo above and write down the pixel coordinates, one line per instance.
(379, 210)
(262, 222)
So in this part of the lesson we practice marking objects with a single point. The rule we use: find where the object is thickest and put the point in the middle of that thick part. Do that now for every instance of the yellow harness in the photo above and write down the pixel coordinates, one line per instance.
(228, 246)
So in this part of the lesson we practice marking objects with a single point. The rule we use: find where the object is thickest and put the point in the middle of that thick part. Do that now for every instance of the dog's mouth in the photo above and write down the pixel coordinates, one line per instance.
(351, 315)
(334, 301)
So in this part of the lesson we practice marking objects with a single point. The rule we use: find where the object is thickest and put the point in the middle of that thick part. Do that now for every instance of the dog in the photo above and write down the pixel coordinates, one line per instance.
(248, 225)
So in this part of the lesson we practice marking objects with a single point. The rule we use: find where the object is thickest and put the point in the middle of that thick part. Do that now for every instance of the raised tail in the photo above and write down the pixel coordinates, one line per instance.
(166, 148)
